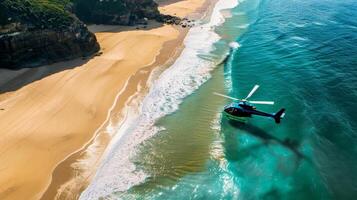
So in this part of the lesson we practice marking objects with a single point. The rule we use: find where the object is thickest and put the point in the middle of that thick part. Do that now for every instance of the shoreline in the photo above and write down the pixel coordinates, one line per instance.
(50, 121)
(47, 120)
(175, 46)
(123, 146)
(102, 135)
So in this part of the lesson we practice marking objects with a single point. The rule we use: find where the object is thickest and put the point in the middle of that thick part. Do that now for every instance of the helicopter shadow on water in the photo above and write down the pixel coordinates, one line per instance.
(234, 153)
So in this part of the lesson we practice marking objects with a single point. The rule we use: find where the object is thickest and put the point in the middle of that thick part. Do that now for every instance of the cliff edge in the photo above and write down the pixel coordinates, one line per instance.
(116, 12)
(38, 32)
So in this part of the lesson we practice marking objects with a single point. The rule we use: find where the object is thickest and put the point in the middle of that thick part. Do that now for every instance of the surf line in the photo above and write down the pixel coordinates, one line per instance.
(96, 133)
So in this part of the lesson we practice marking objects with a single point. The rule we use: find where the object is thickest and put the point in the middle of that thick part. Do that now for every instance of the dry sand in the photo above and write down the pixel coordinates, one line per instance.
(45, 122)
(182, 8)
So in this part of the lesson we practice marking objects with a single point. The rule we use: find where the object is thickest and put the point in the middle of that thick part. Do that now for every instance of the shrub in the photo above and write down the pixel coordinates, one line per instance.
(39, 13)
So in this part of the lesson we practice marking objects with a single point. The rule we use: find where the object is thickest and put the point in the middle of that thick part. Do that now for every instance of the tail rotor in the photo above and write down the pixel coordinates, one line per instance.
(279, 115)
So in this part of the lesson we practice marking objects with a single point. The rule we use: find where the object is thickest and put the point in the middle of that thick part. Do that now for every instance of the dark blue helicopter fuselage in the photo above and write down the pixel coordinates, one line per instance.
(235, 111)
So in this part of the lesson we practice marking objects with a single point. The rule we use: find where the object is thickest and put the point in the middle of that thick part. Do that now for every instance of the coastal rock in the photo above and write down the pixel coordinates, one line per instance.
(121, 12)
(34, 33)
(39, 47)
(169, 19)
(116, 12)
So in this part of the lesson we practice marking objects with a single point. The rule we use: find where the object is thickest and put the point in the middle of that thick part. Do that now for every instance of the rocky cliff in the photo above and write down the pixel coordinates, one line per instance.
(45, 46)
(120, 12)
(37, 32)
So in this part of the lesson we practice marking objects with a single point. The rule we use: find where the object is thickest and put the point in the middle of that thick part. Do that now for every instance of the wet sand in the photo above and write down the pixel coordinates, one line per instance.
(68, 184)
(47, 121)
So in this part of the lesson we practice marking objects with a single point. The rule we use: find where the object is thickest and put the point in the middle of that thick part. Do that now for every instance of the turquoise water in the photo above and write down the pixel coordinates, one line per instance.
(303, 54)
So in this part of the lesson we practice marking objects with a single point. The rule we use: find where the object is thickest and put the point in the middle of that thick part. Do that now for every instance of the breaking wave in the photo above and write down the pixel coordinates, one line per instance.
(117, 173)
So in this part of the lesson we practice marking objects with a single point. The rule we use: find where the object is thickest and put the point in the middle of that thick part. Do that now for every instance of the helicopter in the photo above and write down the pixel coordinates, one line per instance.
(242, 109)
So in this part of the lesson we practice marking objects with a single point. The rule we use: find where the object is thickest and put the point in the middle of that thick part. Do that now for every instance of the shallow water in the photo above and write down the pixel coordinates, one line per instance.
(302, 53)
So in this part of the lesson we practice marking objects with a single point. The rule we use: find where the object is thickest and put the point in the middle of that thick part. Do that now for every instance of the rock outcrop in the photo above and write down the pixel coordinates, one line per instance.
(39, 47)
(34, 32)
(116, 12)
(37, 32)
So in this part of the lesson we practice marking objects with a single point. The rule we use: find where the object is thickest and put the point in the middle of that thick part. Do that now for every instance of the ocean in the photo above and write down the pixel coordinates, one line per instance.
(178, 145)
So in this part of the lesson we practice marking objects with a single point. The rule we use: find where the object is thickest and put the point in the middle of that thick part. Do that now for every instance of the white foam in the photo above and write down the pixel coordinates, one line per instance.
(243, 26)
(117, 172)
(234, 45)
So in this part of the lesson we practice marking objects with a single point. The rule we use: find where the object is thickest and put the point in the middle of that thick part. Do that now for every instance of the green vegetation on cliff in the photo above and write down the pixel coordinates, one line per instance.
(42, 14)
(123, 12)
(3, 15)
(86, 8)
(57, 14)
(37, 32)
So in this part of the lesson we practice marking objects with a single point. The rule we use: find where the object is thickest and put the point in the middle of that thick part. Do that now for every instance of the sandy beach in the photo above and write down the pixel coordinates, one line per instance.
(47, 121)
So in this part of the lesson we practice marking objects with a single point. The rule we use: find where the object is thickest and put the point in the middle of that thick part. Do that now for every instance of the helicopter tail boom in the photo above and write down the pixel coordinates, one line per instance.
(279, 115)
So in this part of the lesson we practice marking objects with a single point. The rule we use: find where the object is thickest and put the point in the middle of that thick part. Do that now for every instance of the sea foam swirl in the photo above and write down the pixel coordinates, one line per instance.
(117, 173)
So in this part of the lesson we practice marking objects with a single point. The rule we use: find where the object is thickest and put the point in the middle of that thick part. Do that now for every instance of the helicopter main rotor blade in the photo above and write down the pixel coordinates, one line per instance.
(262, 102)
(253, 91)
(225, 96)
